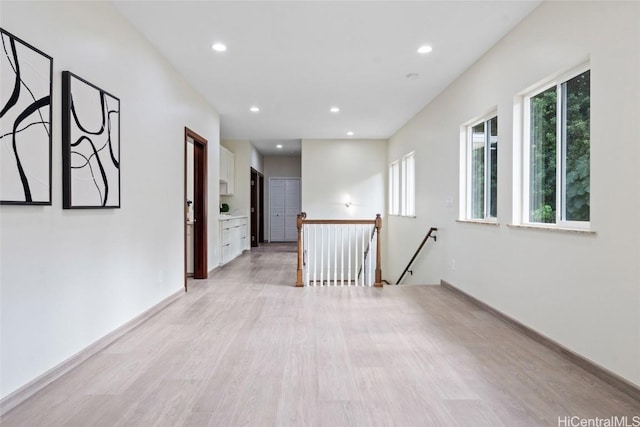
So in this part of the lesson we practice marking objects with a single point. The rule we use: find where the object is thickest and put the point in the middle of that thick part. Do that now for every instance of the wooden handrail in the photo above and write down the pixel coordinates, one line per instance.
(338, 221)
(415, 255)
(302, 220)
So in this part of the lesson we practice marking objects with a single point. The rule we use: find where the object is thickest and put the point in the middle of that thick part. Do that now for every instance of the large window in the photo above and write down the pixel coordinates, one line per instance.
(482, 170)
(557, 147)
(402, 188)
(394, 188)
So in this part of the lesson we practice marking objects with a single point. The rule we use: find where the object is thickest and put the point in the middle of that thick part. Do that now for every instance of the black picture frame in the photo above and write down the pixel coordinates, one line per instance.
(26, 122)
(90, 145)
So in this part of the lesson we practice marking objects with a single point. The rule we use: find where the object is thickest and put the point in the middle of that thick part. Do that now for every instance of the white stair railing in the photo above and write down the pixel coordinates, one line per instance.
(339, 252)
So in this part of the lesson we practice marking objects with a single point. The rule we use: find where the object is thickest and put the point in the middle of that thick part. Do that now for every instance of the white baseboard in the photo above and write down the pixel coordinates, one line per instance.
(588, 365)
(26, 391)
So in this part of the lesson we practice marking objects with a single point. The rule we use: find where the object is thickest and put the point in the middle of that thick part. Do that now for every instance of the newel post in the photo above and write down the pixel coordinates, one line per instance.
(378, 282)
(299, 282)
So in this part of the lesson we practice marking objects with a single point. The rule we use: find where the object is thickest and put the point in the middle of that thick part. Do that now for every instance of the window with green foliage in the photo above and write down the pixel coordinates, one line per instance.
(558, 153)
(482, 172)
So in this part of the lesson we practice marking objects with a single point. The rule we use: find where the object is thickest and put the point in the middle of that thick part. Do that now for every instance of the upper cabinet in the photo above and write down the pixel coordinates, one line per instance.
(227, 171)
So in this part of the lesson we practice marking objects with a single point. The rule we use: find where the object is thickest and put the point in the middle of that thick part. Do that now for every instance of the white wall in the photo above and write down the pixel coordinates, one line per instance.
(69, 277)
(580, 290)
(257, 159)
(282, 166)
(277, 167)
(336, 171)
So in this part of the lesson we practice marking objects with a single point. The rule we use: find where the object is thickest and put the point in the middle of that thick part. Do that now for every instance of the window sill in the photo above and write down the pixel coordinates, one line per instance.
(403, 216)
(557, 229)
(478, 221)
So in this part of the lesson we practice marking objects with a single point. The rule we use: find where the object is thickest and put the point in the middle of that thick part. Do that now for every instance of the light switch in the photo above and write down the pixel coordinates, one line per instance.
(449, 202)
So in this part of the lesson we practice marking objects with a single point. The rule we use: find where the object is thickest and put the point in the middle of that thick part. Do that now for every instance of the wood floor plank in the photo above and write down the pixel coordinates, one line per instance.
(245, 347)
(195, 419)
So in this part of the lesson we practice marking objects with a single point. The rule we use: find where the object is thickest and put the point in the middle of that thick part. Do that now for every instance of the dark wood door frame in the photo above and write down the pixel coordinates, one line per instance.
(261, 206)
(200, 205)
(257, 203)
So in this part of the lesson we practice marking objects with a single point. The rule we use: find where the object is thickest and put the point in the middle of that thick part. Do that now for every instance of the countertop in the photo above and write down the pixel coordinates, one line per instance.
(228, 217)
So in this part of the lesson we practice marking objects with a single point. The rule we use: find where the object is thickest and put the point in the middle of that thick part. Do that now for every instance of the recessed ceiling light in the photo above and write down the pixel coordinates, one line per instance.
(425, 49)
(279, 146)
(334, 109)
(254, 109)
(350, 133)
(219, 47)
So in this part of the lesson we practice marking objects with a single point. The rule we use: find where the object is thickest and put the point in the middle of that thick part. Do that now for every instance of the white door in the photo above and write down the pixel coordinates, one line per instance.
(277, 201)
(284, 201)
(291, 209)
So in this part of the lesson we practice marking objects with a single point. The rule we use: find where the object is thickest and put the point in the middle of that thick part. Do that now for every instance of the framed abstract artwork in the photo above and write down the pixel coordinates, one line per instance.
(90, 145)
(26, 76)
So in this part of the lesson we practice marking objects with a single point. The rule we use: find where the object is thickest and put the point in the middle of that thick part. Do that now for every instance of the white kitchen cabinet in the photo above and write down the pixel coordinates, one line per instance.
(233, 237)
(227, 171)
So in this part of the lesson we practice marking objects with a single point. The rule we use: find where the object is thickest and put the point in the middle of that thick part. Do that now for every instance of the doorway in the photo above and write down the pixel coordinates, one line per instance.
(284, 207)
(195, 213)
(257, 208)
(261, 205)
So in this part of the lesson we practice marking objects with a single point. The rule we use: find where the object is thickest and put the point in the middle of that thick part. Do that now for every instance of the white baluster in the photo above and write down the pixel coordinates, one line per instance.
(342, 256)
(333, 236)
(355, 255)
(305, 251)
(307, 254)
(315, 254)
(331, 254)
(321, 255)
(349, 255)
(370, 255)
(335, 256)
(327, 264)
(362, 233)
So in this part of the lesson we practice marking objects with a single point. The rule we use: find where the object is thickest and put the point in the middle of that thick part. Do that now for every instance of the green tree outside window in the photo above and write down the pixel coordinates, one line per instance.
(572, 194)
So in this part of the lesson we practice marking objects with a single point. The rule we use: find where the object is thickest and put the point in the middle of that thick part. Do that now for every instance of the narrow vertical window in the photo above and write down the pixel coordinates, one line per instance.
(478, 143)
(559, 153)
(408, 185)
(482, 170)
(576, 148)
(492, 172)
(394, 188)
(542, 157)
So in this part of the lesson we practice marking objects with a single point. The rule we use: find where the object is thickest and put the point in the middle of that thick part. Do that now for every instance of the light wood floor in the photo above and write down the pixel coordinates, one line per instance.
(247, 348)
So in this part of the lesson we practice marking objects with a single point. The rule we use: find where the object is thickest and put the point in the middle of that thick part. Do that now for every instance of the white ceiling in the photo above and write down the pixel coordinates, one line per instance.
(269, 147)
(296, 59)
